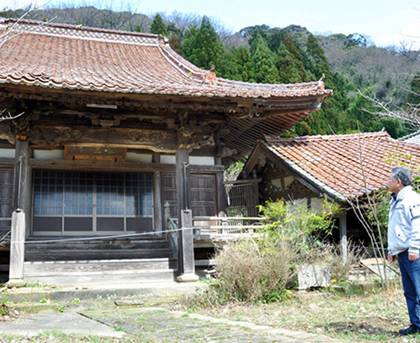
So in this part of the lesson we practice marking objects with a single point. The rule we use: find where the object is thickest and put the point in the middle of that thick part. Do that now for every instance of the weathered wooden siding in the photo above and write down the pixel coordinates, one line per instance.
(279, 183)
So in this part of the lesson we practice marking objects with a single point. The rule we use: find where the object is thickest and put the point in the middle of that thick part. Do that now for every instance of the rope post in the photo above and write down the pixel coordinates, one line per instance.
(186, 264)
(17, 247)
(166, 215)
(343, 237)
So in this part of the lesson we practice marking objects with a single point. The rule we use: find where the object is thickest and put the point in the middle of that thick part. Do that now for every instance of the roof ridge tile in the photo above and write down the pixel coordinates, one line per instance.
(83, 32)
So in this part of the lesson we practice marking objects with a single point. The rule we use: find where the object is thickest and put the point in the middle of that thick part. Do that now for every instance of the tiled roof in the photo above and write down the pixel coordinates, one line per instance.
(74, 57)
(345, 166)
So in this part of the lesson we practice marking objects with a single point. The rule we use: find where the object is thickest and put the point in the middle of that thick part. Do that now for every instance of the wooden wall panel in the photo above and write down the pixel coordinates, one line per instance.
(203, 194)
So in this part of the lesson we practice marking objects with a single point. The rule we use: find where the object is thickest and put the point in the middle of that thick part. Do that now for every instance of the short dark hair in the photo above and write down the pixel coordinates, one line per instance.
(403, 174)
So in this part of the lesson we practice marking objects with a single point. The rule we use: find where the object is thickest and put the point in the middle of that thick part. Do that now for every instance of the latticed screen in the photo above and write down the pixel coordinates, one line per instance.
(6, 198)
(83, 201)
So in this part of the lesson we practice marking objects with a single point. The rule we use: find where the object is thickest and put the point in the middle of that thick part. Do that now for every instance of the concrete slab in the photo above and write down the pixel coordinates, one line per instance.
(94, 291)
(66, 323)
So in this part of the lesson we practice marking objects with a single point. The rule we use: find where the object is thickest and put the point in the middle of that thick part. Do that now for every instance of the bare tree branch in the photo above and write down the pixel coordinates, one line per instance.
(6, 115)
(411, 116)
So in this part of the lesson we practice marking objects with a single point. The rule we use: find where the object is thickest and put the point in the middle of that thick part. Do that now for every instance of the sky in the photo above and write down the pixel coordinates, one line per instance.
(386, 22)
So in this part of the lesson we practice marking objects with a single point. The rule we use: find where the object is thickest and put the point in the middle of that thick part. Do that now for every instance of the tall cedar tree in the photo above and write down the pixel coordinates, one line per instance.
(158, 26)
(298, 54)
(263, 61)
(290, 70)
(237, 64)
(202, 46)
(318, 63)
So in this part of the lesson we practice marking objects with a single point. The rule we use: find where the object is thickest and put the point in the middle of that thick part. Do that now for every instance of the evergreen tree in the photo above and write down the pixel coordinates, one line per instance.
(237, 64)
(202, 46)
(317, 62)
(299, 56)
(158, 26)
(290, 69)
(263, 61)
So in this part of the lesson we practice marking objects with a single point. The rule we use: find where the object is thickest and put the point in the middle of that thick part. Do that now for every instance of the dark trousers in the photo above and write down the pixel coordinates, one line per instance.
(410, 275)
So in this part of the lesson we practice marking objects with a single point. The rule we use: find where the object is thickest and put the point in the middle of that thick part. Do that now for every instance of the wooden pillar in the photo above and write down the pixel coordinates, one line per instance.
(17, 247)
(157, 202)
(181, 178)
(186, 268)
(23, 177)
(343, 236)
(221, 193)
(157, 197)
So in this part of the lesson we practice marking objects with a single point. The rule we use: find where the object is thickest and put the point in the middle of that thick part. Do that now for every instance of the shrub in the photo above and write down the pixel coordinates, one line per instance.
(251, 271)
(260, 268)
(298, 225)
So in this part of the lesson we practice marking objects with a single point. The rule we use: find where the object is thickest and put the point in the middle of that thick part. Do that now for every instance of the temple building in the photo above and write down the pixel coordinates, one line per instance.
(108, 127)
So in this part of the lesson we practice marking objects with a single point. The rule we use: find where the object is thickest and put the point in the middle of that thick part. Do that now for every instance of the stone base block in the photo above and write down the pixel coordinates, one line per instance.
(189, 277)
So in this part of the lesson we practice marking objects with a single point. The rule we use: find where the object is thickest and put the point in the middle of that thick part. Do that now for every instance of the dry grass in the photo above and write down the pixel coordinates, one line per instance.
(369, 315)
(330, 256)
(250, 272)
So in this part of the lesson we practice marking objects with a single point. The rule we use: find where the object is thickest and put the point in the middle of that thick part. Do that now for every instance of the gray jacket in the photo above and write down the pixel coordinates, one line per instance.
(404, 222)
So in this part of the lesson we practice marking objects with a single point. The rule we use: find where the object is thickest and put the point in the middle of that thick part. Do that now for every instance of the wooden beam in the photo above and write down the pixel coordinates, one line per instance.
(101, 165)
(199, 169)
(155, 140)
(4, 161)
(114, 166)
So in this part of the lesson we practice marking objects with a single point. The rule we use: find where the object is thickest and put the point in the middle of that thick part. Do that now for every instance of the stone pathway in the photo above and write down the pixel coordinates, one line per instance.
(143, 324)
(66, 323)
(161, 325)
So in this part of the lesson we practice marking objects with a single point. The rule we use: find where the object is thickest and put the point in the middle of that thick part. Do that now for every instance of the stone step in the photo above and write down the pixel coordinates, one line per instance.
(34, 268)
(121, 276)
(94, 254)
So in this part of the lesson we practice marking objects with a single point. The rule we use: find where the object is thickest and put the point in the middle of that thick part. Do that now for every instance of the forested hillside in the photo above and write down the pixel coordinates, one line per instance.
(348, 64)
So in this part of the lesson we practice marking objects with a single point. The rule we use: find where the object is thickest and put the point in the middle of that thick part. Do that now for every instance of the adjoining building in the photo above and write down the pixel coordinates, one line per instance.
(342, 168)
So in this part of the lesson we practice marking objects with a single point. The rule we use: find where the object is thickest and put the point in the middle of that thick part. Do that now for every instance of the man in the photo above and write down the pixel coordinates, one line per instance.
(404, 241)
